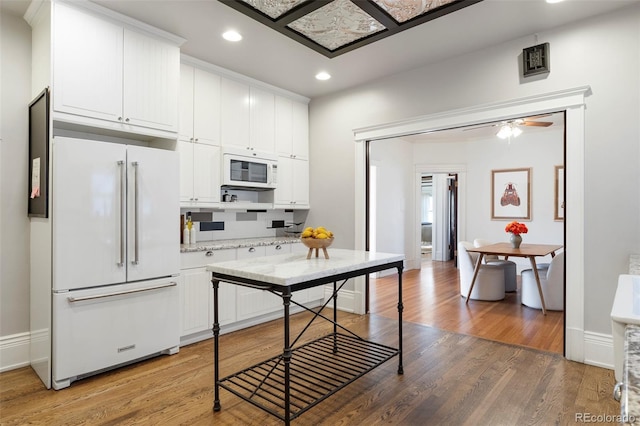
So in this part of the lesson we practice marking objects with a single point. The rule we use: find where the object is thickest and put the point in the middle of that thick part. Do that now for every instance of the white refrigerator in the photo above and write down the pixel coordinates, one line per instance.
(115, 255)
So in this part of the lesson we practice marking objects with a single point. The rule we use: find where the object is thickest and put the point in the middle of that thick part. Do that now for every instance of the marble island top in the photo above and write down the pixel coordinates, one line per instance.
(630, 401)
(294, 268)
(236, 243)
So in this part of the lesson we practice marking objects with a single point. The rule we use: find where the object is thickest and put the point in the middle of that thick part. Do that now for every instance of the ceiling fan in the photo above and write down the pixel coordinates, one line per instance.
(512, 127)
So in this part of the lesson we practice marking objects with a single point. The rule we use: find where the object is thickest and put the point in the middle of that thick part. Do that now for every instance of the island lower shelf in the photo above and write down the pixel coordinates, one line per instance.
(319, 369)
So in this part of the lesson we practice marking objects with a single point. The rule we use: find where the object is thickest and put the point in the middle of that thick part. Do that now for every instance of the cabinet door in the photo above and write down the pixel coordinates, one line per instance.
(195, 292)
(87, 65)
(262, 120)
(300, 183)
(185, 113)
(185, 149)
(206, 173)
(206, 108)
(151, 82)
(252, 302)
(283, 194)
(300, 130)
(234, 113)
(283, 126)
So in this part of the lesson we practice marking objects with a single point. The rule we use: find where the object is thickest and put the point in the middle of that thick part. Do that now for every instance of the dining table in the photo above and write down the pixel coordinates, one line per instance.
(530, 251)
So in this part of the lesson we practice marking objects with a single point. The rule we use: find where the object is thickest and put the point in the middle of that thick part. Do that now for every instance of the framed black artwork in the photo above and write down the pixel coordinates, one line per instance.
(38, 205)
(535, 60)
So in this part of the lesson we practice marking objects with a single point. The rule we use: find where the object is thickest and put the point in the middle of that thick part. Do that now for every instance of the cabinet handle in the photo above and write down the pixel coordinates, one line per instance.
(119, 118)
(127, 120)
(209, 253)
(252, 249)
(191, 139)
(278, 247)
(197, 139)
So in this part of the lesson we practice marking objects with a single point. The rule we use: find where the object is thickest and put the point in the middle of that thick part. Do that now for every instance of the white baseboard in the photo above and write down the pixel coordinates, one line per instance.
(346, 299)
(598, 350)
(14, 351)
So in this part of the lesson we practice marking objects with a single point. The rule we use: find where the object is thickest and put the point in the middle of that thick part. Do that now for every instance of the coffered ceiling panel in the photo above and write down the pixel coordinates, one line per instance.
(334, 27)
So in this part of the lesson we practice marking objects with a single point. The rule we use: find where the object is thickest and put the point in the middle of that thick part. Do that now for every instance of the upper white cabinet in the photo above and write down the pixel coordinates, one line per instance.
(234, 114)
(292, 191)
(292, 128)
(262, 116)
(107, 74)
(247, 116)
(199, 174)
(199, 105)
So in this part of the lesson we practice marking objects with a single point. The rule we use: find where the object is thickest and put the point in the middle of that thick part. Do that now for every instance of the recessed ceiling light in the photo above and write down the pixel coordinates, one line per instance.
(554, 1)
(323, 75)
(232, 36)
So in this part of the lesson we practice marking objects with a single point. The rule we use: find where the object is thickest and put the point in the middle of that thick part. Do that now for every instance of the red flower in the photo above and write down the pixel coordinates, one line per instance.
(516, 228)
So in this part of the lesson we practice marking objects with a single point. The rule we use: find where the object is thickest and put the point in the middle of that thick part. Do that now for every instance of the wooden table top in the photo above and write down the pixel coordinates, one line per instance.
(525, 250)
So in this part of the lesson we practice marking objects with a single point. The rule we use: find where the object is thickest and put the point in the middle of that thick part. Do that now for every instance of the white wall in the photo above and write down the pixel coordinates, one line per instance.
(602, 53)
(15, 95)
(394, 186)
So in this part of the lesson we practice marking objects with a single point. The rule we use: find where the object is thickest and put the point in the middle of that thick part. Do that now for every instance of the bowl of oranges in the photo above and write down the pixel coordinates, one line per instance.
(316, 239)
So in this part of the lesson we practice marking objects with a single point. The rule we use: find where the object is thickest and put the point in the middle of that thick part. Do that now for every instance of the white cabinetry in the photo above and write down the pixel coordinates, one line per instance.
(292, 191)
(234, 114)
(196, 293)
(110, 76)
(199, 174)
(199, 137)
(291, 128)
(247, 116)
(292, 146)
(199, 106)
(253, 302)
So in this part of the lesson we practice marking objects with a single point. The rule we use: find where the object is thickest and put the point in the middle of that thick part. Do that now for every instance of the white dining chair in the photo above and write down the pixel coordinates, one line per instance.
(489, 284)
(551, 282)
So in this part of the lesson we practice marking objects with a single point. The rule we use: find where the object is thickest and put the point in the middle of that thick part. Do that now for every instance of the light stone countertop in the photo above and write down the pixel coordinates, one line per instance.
(293, 268)
(236, 243)
(630, 401)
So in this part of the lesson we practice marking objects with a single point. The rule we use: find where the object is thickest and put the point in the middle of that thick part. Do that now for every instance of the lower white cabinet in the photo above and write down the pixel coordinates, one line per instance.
(239, 306)
(253, 302)
(196, 292)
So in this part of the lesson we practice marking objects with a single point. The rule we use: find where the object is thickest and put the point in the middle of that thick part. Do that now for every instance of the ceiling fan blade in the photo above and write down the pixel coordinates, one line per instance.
(539, 116)
(537, 123)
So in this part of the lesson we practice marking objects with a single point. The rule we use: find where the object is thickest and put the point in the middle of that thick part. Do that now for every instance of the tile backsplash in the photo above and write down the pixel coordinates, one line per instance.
(225, 225)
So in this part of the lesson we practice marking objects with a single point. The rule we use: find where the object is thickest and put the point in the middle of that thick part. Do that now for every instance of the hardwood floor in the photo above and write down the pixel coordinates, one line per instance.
(457, 371)
(449, 378)
(431, 297)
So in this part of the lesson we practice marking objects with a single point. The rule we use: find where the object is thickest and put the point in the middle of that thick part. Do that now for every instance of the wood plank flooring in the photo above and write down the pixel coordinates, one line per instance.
(431, 297)
(450, 379)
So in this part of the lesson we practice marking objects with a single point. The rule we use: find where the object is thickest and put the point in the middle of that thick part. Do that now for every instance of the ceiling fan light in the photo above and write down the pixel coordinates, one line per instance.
(504, 132)
(516, 131)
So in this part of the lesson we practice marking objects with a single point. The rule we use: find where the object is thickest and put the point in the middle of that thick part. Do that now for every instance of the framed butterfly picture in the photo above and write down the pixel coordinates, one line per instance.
(511, 194)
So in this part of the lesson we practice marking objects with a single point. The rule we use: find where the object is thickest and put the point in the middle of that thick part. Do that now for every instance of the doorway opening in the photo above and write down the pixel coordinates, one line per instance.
(436, 227)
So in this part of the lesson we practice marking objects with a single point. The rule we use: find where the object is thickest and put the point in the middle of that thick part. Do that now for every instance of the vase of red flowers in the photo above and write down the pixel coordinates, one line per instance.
(515, 229)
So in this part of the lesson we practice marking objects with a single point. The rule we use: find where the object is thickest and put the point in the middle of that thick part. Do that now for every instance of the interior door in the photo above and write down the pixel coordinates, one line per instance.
(453, 217)
(87, 179)
(153, 212)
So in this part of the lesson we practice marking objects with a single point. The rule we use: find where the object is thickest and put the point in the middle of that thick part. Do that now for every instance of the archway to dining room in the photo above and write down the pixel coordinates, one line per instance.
(572, 102)
(432, 288)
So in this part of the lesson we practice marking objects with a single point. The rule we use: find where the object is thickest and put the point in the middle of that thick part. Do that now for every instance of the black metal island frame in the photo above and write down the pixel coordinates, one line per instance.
(303, 375)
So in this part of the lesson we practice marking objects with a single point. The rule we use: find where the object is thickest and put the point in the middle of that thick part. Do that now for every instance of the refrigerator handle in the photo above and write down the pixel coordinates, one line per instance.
(136, 247)
(122, 204)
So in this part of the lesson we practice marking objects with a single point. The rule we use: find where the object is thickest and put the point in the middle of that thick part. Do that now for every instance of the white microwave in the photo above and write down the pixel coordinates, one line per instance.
(248, 169)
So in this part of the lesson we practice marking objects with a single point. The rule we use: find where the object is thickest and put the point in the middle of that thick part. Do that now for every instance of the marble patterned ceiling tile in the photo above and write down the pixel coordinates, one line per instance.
(336, 24)
(403, 10)
(273, 8)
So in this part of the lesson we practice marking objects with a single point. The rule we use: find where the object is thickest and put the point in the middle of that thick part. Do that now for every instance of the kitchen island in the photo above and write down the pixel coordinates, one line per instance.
(302, 376)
